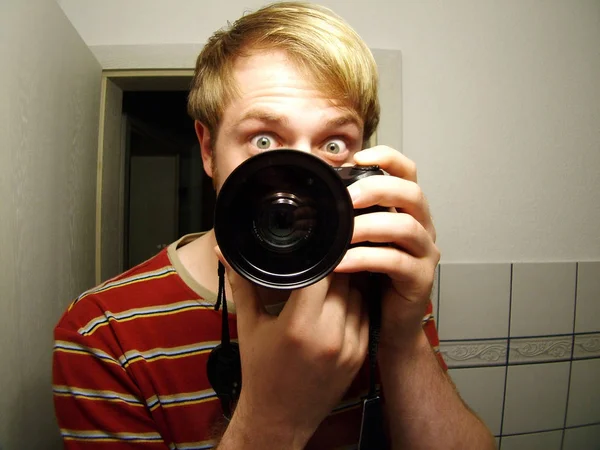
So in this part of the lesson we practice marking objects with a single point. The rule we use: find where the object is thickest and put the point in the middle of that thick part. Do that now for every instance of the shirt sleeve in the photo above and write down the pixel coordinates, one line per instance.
(97, 404)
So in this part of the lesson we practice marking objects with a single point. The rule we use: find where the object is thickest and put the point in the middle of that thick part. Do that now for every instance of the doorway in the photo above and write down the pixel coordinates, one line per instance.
(167, 194)
(151, 187)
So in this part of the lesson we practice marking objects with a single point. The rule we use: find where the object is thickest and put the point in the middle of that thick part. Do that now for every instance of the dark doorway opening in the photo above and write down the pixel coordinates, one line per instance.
(167, 193)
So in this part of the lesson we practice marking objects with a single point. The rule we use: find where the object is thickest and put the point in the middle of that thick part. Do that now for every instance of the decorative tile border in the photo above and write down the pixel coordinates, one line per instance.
(587, 346)
(474, 353)
(540, 349)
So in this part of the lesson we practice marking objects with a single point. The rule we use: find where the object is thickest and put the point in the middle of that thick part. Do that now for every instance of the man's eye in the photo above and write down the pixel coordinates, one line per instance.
(335, 146)
(263, 141)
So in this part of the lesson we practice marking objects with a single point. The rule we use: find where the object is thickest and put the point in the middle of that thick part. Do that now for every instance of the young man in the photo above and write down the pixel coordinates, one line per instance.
(130, 355)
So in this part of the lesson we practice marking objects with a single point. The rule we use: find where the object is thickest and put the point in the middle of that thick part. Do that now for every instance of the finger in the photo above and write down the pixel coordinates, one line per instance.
(335, 307)
(394, 192)
(401, 267)
(245, 296)
(401, 230)
(390, 160)
(353, 320)
(306, 304)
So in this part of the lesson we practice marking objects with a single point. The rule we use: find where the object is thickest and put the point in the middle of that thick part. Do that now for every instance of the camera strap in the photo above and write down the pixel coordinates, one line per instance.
(372, 433)
(223, 368)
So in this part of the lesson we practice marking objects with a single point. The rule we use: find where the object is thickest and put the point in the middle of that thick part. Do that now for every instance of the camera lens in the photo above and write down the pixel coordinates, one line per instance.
(283, 219)
(283, 223)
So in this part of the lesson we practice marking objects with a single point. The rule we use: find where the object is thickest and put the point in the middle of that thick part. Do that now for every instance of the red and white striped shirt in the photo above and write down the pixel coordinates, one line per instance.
(129, 368)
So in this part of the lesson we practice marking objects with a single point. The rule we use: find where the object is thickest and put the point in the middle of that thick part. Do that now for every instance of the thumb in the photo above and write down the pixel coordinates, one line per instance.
(244, 295)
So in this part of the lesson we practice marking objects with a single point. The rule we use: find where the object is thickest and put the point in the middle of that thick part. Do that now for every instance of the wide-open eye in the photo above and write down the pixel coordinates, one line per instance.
(263, 141)
(335, 146)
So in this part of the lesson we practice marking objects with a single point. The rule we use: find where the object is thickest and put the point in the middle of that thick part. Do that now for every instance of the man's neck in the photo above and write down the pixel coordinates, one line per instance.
(200, 260)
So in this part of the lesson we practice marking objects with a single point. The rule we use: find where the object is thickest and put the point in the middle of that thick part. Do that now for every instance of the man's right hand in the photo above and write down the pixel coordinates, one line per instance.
(296, 366)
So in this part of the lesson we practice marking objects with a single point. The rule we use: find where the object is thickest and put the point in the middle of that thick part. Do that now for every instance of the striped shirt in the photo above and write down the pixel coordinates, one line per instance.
(129, 365)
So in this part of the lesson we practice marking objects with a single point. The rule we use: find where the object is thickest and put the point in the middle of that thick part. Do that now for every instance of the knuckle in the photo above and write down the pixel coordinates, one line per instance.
(437, 255)
(433, 234)
(411, 168)
(402, 264)
(350, 356)
(414, 268)
(331, 349)
(417, 196)
(295, 335)
(412, 226)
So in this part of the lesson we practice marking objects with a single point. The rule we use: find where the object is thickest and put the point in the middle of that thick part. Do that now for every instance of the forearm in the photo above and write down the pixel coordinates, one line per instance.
(422, 407)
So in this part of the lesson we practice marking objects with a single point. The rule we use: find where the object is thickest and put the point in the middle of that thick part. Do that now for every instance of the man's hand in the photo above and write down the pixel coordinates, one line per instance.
(422, 407)
(296, 366)
(412, 255)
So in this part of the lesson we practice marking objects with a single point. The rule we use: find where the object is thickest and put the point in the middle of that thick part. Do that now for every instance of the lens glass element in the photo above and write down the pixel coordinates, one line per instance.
(283, 223)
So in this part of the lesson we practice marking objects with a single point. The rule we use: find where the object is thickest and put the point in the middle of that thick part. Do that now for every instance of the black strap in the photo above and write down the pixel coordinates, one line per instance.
(222, 300)
(372, 433)
(224, 364)
(374, 302)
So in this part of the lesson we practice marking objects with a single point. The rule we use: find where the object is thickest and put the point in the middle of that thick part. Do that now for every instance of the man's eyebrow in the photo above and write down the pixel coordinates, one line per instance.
(271, 117)
(263, 116)
(349, 118)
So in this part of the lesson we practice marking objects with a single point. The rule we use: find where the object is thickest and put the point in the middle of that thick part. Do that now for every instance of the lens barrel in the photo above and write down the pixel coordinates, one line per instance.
(284, 219)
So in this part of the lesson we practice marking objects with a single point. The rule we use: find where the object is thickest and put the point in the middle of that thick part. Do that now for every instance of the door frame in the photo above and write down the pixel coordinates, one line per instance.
(112, 145)
(171, 67)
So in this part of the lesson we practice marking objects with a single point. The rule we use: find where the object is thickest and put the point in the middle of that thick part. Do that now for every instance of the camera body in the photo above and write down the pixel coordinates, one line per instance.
(352, 174)
(284, 218)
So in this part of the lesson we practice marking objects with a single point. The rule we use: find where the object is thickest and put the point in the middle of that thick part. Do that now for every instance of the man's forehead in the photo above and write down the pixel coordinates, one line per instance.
(264, 55)
(264, 68)
(260, 67)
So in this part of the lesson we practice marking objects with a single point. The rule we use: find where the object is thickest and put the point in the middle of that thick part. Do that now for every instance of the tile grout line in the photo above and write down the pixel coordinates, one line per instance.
(517, 364)
(550, 430)
(507, 355)
(516, 338)
(562, 442)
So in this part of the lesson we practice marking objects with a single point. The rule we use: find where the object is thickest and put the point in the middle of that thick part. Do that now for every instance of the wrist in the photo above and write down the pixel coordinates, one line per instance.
(403, 335)
(404, 349)
(253, 432)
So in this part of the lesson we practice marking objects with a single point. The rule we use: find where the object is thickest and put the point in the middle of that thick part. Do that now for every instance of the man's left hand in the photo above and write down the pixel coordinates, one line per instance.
(410, 258)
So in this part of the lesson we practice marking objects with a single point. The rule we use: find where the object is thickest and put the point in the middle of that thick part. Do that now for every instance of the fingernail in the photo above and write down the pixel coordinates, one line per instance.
(361, 156)
(344, 262)
(354, 192)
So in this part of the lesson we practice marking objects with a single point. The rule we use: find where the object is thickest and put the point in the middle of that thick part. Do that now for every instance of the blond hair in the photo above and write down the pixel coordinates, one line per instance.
(321, 44)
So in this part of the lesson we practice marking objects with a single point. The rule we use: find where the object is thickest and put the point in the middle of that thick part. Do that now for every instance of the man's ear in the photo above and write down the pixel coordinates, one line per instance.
(206, 148)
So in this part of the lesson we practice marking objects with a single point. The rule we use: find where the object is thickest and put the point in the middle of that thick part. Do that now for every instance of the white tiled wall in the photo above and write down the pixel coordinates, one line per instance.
(584, 395)
(549, 440)
(588, 301)
(522, 342)
(483, 390)
(470, 292)
(583, 438)
(536, 397)
(543, 299)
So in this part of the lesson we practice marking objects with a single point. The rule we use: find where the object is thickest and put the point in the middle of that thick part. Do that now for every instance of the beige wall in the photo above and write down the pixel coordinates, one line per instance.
(49, 103)
(501, 108)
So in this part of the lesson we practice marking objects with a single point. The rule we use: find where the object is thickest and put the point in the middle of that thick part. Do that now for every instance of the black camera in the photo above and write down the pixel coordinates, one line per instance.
(284, 218)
